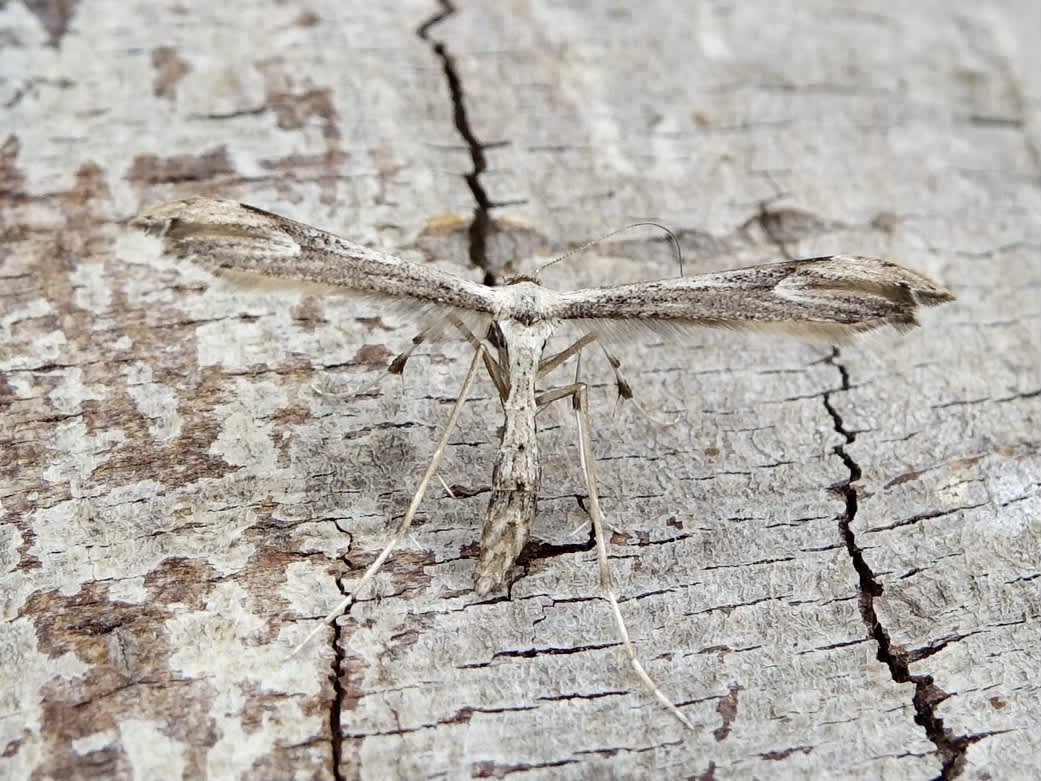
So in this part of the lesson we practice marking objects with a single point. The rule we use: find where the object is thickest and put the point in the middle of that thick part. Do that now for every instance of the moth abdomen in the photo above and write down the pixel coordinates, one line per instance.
(507, 525)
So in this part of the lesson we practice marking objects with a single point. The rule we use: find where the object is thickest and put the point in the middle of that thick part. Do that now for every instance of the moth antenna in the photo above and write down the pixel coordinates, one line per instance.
(592, 242)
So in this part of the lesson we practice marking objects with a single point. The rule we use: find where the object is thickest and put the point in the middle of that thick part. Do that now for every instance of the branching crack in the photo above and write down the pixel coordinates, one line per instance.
(950, 748)
(481, 225)
(341, 696)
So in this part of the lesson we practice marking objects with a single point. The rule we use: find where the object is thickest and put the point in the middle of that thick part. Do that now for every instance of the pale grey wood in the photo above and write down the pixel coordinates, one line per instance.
(180, 481)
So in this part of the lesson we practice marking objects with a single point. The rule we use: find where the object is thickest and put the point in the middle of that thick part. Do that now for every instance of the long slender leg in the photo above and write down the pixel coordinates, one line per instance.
(406, 522)
(490, 365)
(554, 394)
(579, 396)
(549, 364)
(397, 366)
(625, 393)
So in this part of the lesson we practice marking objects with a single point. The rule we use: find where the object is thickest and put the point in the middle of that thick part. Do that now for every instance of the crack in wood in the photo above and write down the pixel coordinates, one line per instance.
(532, 653)
(481, 225)
(336, 707)
(927, 516)
(461, 716)
(927, 696)
(490, 769)
(337, 675)
(584, 695)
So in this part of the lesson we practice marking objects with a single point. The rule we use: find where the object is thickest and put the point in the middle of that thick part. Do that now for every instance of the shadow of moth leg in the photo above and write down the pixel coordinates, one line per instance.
(397, 366)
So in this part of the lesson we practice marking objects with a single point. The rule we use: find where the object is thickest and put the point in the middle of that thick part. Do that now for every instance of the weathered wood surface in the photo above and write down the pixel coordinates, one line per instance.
(830, 559)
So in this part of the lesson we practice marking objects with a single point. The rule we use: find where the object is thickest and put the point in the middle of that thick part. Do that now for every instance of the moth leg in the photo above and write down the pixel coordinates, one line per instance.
(493, 369)
(625, 390)
(397, 366)
(548, 397)
(417, 497)
(580, 402)
(625, 393)
(546, 365)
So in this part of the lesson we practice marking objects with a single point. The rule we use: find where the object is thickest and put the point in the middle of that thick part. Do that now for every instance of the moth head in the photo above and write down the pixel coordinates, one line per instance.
(515, 279)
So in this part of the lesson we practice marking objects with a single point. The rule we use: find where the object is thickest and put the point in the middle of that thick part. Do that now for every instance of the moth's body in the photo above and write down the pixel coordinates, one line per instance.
(827, 299)
(517, 474)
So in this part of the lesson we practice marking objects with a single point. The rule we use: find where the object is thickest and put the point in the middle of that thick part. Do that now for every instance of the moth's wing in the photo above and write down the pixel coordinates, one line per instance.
(821, 299)
(233, 237)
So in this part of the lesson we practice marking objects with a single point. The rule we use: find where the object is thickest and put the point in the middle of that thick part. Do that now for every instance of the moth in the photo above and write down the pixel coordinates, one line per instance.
(828, 299)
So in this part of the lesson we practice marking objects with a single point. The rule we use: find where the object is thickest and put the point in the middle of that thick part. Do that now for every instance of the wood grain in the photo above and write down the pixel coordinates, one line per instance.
(828, 558)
